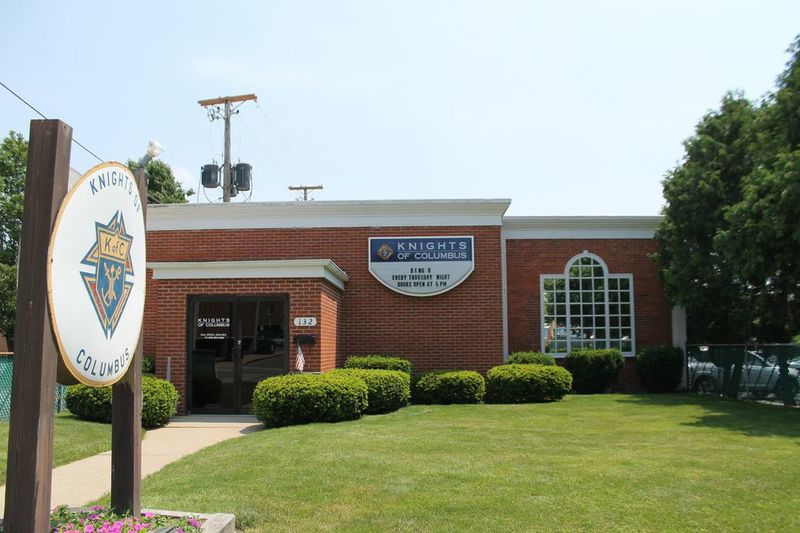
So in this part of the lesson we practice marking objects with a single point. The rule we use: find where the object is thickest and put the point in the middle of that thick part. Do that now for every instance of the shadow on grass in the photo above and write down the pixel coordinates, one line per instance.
(739, 416)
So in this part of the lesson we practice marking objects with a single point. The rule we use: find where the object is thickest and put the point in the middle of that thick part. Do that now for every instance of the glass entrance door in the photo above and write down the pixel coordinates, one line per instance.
(234, 342)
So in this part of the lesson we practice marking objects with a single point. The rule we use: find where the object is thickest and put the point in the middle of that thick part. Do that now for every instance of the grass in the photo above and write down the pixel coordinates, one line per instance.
(73, 439)
(600, 463)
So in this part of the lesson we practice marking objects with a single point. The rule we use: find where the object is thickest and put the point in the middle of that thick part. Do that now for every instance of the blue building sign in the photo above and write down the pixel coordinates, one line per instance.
(421, 266)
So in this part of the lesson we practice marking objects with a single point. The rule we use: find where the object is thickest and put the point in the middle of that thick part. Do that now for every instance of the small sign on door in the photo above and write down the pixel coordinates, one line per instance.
(307, 321)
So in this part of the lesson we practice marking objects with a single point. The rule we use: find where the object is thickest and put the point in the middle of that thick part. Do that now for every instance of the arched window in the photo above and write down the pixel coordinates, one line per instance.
(586, 307)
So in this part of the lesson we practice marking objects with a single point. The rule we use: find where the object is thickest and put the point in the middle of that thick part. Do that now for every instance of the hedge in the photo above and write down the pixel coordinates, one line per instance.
(527, 383)
(450, 386)
(159, 402)
(531, 358)
(660, 368)
(387, 390)
(378, 362)
(302, 398)
(593, 370)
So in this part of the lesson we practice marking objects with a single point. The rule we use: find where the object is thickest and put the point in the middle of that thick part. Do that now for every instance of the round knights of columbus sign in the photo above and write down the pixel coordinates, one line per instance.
(96, 274)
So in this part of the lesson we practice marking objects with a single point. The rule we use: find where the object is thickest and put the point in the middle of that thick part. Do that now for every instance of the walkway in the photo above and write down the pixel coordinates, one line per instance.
(86, 480)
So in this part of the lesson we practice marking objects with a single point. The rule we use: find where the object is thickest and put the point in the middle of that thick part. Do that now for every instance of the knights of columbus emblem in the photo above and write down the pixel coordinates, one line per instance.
(108, 285)
(385, 252)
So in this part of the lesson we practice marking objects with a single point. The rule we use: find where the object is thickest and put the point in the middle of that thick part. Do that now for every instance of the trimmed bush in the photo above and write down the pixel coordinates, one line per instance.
(593, 370)
(160, 401)
(89, 403)
(660, 368)
(378, 362)
(303, 398)
(450, 386)
(527, 383)
(387, 390)
(531, 358)
(94, 403)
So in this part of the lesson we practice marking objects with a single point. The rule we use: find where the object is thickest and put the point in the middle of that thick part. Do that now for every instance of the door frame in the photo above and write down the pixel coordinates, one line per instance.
(236, 333)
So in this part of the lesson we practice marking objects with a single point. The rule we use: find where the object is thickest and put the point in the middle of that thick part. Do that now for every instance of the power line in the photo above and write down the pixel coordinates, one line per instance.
(21, 99)
(286, 144)
(263, 147)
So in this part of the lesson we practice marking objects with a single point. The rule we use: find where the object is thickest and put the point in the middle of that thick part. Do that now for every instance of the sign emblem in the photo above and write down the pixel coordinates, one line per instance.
(108, 286)
(96, 274)
(421, 266)
(385, 252)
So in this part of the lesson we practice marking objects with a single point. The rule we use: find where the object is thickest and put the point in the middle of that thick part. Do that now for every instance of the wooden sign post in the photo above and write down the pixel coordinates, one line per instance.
(39, 339)
(126, 419)
(30, 439)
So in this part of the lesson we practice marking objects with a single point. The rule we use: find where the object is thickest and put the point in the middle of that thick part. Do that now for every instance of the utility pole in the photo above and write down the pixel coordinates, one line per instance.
(305, 189)
(225, 114)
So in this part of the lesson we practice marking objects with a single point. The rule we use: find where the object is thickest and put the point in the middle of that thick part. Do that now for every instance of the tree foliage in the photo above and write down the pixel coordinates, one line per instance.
(13, 165)
(162, 187)
(730, 238)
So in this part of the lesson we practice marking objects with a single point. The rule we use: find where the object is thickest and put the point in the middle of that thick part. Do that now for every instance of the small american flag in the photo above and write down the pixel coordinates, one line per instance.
(301, 361)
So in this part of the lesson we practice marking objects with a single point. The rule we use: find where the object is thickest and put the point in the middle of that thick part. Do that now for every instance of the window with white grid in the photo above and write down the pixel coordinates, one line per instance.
(586, 307)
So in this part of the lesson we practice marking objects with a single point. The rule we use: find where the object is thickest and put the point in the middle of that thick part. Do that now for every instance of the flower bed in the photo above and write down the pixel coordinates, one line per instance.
(98, 519)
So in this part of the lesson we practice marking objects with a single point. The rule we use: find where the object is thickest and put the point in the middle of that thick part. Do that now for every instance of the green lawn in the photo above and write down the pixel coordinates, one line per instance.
(73, 439)
(600, 463)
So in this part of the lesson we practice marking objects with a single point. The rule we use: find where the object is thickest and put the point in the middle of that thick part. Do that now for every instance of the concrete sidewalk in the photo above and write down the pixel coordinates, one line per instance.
(88, 479)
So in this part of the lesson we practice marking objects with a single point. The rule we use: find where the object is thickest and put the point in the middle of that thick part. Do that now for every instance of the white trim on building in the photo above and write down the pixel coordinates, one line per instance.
(368, 213)
(557, 227)
(283, 268)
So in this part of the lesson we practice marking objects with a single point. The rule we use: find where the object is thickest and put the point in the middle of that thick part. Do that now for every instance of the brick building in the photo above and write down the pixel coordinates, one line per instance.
(235, 290)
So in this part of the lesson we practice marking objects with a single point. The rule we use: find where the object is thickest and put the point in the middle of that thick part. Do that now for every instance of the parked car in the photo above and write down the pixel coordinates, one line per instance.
(759, 376)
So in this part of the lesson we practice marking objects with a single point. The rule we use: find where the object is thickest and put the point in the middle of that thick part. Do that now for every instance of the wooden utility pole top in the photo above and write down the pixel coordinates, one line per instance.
(227, 99)
(305, 189)
(227, 189)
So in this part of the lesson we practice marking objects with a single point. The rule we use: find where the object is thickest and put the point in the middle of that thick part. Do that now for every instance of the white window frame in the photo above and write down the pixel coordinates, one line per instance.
(565, 276)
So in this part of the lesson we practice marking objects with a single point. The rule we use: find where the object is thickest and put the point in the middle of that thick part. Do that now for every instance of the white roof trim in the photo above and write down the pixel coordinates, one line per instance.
(283, 268)
(622, 227)
(367, 213)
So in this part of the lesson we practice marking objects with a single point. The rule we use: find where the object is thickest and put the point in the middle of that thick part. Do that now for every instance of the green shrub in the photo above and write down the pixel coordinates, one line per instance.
(303, 398)
(450, 386)
(159, 402)
(593, 370)
(660, 368)
(378, 362)
(89, 403)
(148, 365)
(527, 383)
(531, 358)
(387, 390)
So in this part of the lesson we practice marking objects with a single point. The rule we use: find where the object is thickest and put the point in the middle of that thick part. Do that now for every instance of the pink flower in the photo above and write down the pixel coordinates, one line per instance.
(194, 522)
(148, 515)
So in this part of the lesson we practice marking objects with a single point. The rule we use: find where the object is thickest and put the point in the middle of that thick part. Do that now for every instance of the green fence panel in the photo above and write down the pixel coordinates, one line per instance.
(760, 372)
(6, 373)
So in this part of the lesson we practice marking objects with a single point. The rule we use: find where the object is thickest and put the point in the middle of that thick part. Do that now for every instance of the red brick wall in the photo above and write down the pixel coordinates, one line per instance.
(458, 329)
(169, 326)
(527, 259)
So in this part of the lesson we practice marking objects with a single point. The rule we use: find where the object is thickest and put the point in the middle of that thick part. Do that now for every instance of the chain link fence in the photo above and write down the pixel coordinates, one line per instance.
(760, 372)
(6, 373)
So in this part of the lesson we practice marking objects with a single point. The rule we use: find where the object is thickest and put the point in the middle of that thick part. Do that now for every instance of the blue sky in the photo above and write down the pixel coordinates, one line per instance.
(567, 108)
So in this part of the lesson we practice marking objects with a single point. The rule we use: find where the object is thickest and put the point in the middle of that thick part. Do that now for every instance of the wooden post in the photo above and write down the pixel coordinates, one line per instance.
(126, 416)
(30, 439)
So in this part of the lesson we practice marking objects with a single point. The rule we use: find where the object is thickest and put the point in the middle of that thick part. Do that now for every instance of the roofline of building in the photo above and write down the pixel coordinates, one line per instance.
(327, 214)
(580, 227)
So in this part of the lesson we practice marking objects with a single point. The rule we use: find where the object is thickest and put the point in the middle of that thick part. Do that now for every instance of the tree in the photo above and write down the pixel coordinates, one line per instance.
(762, 239)
(694, 272)
(162, 187)
(13, 165)
(730, 238)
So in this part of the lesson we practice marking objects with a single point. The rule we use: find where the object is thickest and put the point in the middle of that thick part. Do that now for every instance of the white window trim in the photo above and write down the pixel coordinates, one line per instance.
(565, 276)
